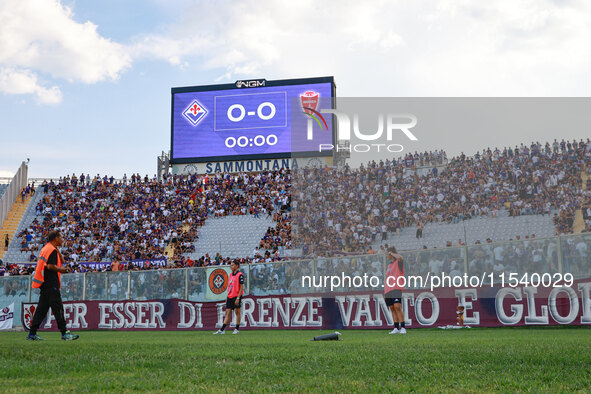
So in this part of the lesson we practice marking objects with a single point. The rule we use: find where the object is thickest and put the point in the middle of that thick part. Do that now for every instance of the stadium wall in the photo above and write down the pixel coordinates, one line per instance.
(493, 307)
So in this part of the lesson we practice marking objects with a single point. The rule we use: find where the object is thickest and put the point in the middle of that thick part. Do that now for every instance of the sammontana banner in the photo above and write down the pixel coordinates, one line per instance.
(485, 307)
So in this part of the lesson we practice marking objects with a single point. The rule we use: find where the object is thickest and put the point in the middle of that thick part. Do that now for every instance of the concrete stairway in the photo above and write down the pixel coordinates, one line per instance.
(12, 221)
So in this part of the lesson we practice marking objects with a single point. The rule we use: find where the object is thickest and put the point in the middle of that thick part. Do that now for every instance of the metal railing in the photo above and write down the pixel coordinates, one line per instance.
(564, 254)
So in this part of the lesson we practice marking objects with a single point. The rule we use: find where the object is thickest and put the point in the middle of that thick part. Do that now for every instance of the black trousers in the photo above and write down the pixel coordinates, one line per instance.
(49, 298)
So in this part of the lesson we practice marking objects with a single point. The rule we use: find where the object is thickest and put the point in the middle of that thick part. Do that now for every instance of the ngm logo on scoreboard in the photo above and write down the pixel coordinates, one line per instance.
(227, 122)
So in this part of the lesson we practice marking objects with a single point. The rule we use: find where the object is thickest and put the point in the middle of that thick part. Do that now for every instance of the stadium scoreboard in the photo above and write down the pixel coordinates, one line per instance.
(249, 120)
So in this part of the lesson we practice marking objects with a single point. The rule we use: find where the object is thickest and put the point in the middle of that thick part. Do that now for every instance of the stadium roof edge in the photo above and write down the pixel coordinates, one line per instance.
(278, 82)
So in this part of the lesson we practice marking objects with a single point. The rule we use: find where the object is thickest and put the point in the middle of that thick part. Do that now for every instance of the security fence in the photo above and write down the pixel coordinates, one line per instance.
(564, 254)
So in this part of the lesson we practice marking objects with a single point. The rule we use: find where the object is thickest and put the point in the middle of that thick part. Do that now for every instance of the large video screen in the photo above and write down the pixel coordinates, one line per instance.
(227, 122)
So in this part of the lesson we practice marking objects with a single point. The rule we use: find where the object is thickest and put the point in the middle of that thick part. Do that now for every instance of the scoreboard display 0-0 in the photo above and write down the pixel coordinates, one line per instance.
(246, 120)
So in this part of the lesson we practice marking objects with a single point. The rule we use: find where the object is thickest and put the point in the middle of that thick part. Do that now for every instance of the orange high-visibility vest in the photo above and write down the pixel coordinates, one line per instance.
(234, 286)
(39, 277)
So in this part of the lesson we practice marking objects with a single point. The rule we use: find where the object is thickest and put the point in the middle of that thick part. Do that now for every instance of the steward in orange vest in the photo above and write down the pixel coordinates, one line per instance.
(39, 277)
(48, 278)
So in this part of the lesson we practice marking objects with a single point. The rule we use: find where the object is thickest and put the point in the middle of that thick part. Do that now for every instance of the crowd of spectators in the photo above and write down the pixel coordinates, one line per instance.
(335, 210)
(138, 219)
(425, 159)
(345, 210)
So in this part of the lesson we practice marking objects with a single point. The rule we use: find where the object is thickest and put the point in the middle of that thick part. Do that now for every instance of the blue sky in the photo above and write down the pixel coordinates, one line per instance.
(85, 85)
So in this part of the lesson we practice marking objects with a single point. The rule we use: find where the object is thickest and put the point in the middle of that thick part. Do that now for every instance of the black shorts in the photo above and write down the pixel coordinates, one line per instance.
(393, 297)
(231, 303)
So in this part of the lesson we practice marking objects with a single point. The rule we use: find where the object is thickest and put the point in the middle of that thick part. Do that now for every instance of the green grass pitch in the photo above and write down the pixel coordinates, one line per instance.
(475, 360)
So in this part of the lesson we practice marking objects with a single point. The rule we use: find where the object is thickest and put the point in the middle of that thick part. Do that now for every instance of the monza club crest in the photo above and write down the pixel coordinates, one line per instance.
(218, 281)
(309, 99)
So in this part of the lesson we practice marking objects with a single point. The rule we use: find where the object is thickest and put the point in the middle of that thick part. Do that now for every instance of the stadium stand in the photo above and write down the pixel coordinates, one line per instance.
(14, 253)
(14, 217)
(346, 210)
(476, 230)
(104, 220)
(412, 202)
(232, 236)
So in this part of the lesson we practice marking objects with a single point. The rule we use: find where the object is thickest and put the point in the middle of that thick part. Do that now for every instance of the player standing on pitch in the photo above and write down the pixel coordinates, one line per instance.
(393, 289)
(235, 292)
